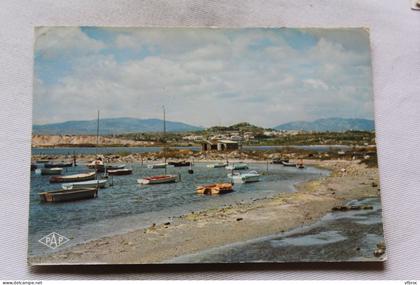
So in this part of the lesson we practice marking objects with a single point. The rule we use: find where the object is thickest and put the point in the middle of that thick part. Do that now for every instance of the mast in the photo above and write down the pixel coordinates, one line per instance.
(97, 136)
(96, 150)
(164, 135)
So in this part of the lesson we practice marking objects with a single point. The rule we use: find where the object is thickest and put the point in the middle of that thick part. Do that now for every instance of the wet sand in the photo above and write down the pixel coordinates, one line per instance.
(207, 229)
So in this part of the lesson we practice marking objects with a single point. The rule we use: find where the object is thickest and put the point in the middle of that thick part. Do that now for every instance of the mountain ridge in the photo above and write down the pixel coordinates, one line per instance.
(109, 126)
(330, 124)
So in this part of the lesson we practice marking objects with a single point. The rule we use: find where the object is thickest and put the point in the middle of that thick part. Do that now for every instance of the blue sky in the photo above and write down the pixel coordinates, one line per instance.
(203, 76)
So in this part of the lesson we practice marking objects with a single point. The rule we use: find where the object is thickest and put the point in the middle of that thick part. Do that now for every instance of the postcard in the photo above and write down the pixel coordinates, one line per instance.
(203, 145)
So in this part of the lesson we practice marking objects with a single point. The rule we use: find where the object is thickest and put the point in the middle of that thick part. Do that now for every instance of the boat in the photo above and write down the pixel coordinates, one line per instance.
(179, 163)
(73, 177)
(288, 164)
(237, 166)
(107, 168)
(158, 179)
(279, 161)
(217, 165)
(251, 176)
(101, 167)
(51, 171)
(119, 172)
(97, 183)
(68, 195)
(157, 165)
(214, 189)
(58, 164)
(33, 167)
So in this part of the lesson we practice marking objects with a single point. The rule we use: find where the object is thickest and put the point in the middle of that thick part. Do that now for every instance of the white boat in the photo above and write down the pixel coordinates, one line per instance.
(49, 171)
(251, 176)
(158, 179)
(100, 183)
(237, 166)
(217, 165)
(157, 165)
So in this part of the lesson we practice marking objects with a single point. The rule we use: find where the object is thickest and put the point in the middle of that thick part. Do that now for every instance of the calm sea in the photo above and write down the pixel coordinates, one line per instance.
(127, 205)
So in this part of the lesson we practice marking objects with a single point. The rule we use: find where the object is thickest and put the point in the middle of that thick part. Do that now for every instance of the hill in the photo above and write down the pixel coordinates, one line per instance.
(330, 124)
(111, 126)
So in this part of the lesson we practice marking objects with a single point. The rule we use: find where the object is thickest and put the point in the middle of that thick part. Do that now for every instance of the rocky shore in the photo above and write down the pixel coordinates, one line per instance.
(197, 231)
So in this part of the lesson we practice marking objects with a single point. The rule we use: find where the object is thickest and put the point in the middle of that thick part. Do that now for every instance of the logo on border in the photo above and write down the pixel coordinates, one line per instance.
(53, 240)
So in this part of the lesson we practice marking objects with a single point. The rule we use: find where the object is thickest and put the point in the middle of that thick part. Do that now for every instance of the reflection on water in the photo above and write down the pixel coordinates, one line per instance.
(127, 205)
(338, 236)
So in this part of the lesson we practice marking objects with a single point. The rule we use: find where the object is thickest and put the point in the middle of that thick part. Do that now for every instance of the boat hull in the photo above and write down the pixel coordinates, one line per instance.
(68, 195)
(237, 167)
(215, 189)
(55, 165)
(73, 178)
(51, 171)
(157, 166)
(86, 184)
(158, 179)
(221, 165)
(120, 172)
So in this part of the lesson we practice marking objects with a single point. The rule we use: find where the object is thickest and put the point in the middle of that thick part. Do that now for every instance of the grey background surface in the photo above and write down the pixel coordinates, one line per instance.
(395, 37)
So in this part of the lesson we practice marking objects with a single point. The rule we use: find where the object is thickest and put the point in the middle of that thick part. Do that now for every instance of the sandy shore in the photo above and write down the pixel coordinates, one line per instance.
(216, 227)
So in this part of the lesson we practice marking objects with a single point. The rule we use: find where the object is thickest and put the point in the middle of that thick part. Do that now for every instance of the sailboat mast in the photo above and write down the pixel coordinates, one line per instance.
(97, 136)
(164, 136)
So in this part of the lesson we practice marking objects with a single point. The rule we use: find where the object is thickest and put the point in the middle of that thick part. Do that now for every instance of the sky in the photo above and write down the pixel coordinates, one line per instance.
(203, 76)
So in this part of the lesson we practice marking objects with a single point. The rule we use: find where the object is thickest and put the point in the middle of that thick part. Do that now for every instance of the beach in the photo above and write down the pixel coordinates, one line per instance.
(211, 228)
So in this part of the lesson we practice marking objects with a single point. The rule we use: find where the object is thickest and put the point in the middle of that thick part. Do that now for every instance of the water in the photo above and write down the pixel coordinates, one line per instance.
(114, 150)
(127, 205)
(338, 236)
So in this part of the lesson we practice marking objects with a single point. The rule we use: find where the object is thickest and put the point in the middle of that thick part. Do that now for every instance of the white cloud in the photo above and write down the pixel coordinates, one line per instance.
(62, 41)
(206, 77)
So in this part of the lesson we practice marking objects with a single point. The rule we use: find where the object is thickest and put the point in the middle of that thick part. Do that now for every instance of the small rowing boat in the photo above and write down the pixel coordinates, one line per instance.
(68, 195)
(158, 179)
(73, 177)
(58, 164)
(217, 165)
(157, 165)
(98, 183)
(50, 171)
(214, 189)
(279, 161)
(120, 172)
(290, 164)
(237, 166)
(179, 163)
(251, 176)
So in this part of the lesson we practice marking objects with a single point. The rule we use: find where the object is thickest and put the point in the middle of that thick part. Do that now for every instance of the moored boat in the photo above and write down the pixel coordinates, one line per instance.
(97, 183)
(120, 172)
(179, 163)
(251, 176)
(214, 189)
(288, 164)
(58, 164)
(73, 177)
(157, 165)
(68, 195)
(51, 171)
(158, 179)
(279, 161)
(217, 165)
(237, 166)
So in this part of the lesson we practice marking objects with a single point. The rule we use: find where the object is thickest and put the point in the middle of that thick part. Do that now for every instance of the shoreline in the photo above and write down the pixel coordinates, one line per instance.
(194, 232)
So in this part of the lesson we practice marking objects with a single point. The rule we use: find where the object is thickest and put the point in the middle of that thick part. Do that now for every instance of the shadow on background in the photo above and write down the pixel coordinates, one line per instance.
(207, 267)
